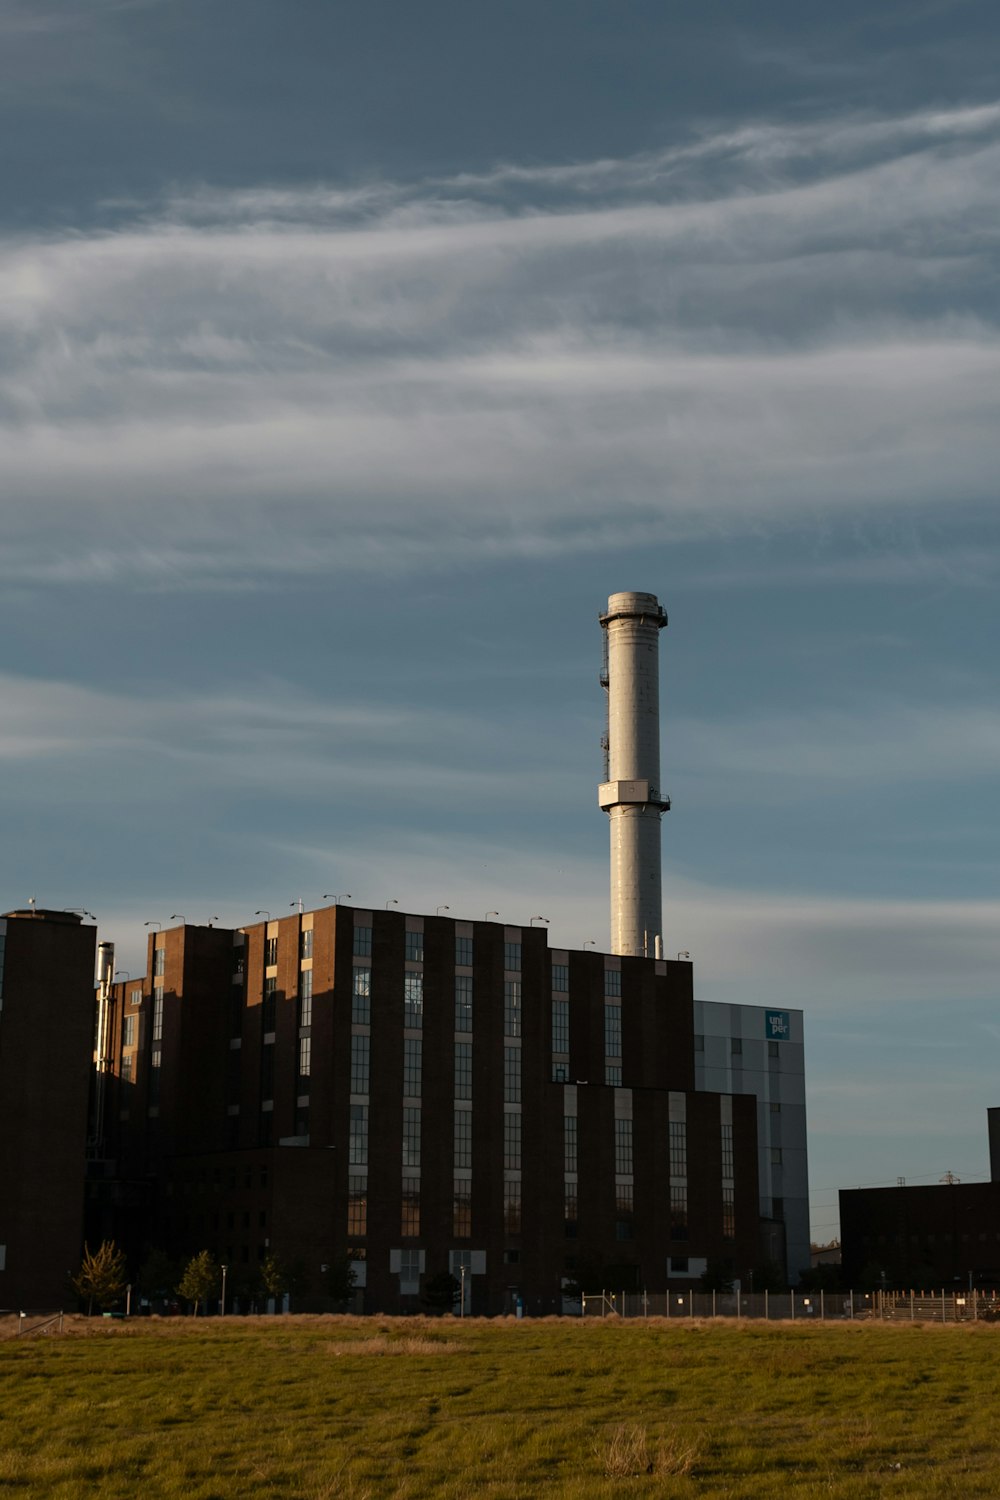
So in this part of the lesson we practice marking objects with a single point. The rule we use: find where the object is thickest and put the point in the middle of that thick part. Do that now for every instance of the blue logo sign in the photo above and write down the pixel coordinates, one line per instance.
(777, 1025)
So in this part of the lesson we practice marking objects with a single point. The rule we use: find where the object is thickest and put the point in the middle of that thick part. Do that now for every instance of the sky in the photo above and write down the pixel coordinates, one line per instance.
(352, 354)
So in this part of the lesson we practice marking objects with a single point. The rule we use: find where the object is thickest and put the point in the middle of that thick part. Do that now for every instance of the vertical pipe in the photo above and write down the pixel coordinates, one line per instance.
(631, 793)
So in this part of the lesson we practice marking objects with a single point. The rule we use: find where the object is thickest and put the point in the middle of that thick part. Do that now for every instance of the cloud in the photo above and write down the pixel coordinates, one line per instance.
(758, 326)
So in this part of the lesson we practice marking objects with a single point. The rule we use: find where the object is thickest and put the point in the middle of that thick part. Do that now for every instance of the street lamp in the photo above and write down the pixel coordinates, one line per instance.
(328, 896)
(537, 919)
(438, 910)
(684, 953)
(491, 914)
(391, 902)
(263, 913)
(222, 1305)
(461, 1272)
(590, 943)
(157, 925)
(179, 916)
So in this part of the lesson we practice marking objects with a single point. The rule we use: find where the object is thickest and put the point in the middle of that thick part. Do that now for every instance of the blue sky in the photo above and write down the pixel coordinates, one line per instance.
(351, 355)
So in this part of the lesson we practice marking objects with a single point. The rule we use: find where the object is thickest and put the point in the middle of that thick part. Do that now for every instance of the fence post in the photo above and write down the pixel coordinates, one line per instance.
(822, 1307)
(737, 1301)
(944, 1309)
(713, 1302)
(690, 1303)
(791, 1298)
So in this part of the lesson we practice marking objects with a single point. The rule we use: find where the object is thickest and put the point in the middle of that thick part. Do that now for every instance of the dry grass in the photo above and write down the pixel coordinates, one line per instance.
(628, 1451)
(383, 1345)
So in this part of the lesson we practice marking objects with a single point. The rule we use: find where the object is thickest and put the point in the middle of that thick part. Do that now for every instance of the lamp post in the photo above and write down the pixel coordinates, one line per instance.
(329, 896)
(391, 902)
(179, 916)
(461, 1272)
(263, 913)
(222, 1304)
(438, 910)
(537, 919)
(491, 914)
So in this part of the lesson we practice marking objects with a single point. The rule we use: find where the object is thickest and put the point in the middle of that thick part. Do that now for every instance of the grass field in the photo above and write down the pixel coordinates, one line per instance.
(320, 1408)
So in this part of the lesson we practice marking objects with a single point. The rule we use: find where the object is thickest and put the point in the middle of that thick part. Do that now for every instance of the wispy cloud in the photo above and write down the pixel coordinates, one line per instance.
(755, 326)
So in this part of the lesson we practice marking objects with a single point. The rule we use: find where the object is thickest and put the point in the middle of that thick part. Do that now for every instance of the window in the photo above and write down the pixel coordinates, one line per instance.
(512, 957)
(362, 942)
(159, 960)
(463, 1138)
(778, 1212)
(125, 1070)
(736, 1046)
(463, 1002)
(727, 1151)
(560, 978)
(413, 1000)
(306, 943)
(410, 1224)
(678, 1213)
(462, 1210)
(623, 1147)
(699, 1042)
(305, 1056)
(773, 1049)
(360, 1064)
(414, 947)
(128, 1031)
(137, 997)
(357, 1204)
(512, 1142)
(569, 1143)
(776, 1156)
(269, 1008)
(512, 1207)
(728, 1214)
(411, 1136)
(612, 981)
(679, 1265)
(267, 1073)
(775, 1107)
(357, 1145)
(306, 997)
(678, 1148)
(512, 1007)
(560, 1025)
(158, 1013)
(560, 1072)
(624, 1205)
(612, 1031)
(409, 1271)
(613, 1075)
(463, 1070)
(463, 952)
(571, 1210)
(270, 952)
(361, 1012)
(412, 1066)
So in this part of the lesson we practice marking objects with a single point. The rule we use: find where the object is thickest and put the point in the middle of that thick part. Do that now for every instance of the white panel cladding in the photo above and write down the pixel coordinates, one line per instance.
(677, 1106)
(623, 1104)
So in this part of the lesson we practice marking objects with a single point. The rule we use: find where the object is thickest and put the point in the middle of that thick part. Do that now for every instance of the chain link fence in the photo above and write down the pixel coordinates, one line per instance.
(803, 1307)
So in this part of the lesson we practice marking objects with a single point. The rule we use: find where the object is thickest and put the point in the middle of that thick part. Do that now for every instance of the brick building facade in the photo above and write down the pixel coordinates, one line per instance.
(423, 1095)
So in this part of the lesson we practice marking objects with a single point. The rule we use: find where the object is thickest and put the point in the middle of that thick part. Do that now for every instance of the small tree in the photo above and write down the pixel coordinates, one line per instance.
(441, 1292)
(201, 1277)
(157, 1275)
(273, 1277)
(340, 1279)
(101, 1277)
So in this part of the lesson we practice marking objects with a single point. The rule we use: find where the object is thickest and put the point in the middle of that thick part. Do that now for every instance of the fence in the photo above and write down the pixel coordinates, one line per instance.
(804, 1307)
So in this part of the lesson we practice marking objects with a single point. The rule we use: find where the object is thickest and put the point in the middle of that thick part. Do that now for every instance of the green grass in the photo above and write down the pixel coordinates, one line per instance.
(323, 1408)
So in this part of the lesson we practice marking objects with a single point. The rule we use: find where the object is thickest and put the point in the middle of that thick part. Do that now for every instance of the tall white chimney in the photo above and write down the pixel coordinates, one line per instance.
(630, 793)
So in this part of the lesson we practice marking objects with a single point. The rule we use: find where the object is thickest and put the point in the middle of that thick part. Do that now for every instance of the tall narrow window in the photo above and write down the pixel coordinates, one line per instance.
(463, 952)
(512, 1207)
(414, 947)
(560, 978)
(159, 960)
(512, 1075)
(357, 1204)
(411, 1206)
(612, 981)
(306, 943)
(678, 1148)
(361, 997)
(571, 1209)
(727, 1151)
(305, 1057)
(560, 1026)
(412, 1066)
(158, 1012)
(270, 952)
(463, 1070)
(569, 1143)
(512, 957)
(463, 1002)
(362, 942)
(463, 1138)
(623, 1147)
(462, 1210)
(678, 1213)
(269, 1007)
(413, 1001)
(305, 997)
(360, 1064)
(612, 1031)
(512, 1007)
(728, 1213)
(512, 1142)
(411, 1136)
(357, 1145)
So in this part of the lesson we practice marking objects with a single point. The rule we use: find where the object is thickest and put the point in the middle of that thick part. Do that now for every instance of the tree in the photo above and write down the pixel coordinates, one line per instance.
(441, 1292)
(340, 1279)
(101, 1277)
(273, 1276)
(201, 1277)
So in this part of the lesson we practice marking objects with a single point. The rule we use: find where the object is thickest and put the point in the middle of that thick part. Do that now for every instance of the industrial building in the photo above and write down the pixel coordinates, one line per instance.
(46, 1044)
(421, 1094)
